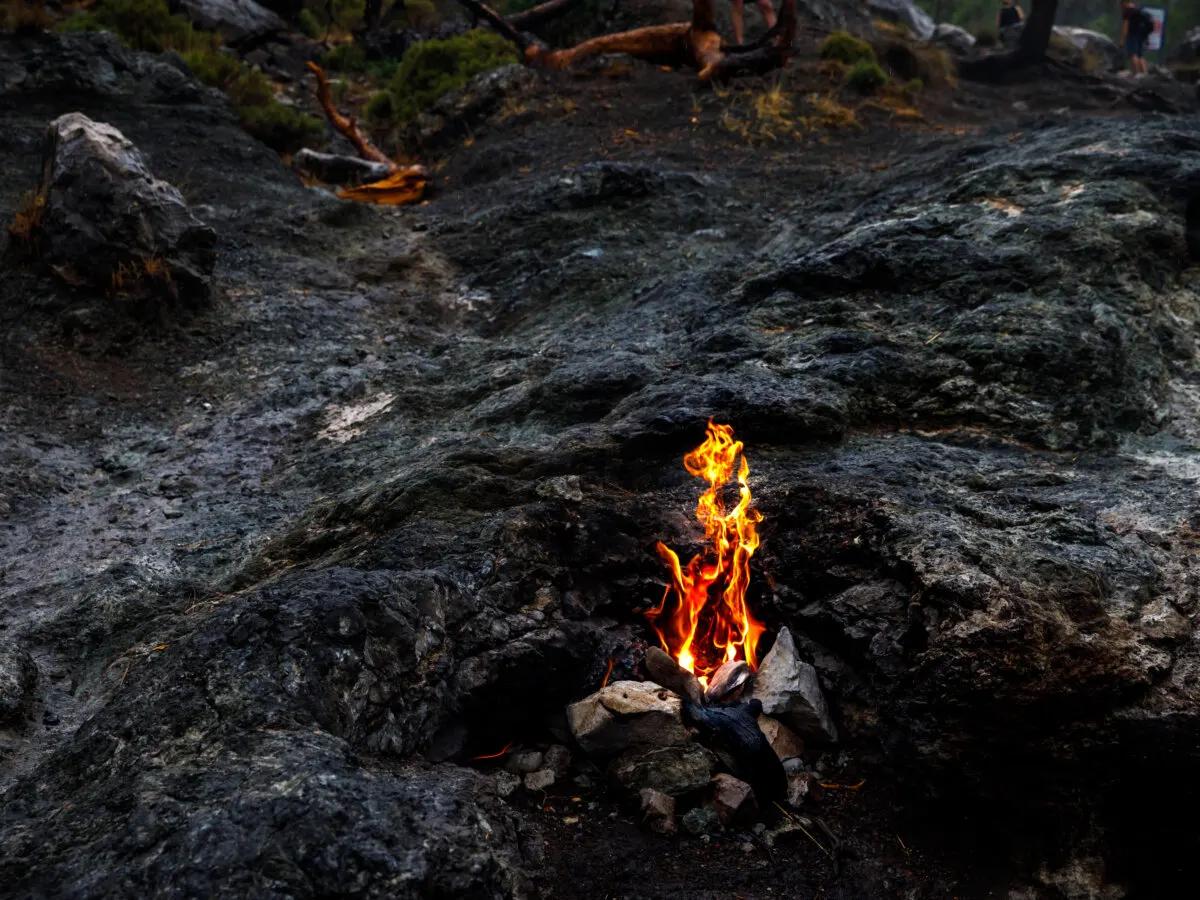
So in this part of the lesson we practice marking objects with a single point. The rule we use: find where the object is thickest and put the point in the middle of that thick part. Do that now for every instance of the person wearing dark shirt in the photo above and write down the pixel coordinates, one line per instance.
(1136, 26)
(1010, 14)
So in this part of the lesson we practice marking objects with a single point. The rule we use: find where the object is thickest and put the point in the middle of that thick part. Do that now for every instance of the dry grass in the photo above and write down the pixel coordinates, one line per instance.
(28, 218)
(151, 275)
(776, 114)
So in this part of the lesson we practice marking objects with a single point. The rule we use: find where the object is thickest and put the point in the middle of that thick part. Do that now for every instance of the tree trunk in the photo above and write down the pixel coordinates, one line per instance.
(1035, 36)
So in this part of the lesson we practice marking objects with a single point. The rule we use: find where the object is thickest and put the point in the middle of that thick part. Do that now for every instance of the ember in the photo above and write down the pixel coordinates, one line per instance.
(703, 620)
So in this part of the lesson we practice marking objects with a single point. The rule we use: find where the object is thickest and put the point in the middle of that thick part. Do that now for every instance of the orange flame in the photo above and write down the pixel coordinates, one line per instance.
(709, 623)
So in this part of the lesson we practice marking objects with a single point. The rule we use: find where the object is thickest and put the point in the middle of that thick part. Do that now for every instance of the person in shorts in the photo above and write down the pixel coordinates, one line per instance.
(1136, 27)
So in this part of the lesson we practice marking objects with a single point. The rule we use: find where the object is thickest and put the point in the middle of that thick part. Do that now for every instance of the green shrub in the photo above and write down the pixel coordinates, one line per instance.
(346, 58)
(140, 24)
(281, 127)
(866, 77)
(309, 24)
(212, 66)
(846, 48)
(421, 14)
(380, 109)
(433, 68)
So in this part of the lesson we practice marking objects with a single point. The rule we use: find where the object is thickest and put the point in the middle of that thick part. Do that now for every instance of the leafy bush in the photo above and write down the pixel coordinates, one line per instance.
(380, 109)
(866, 77)
(846, 48)
(309, 24)
(433, 68)
(148, 25)
(346, 58)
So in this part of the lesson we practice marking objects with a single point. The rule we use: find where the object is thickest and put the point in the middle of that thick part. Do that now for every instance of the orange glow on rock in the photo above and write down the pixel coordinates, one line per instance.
(703, 620)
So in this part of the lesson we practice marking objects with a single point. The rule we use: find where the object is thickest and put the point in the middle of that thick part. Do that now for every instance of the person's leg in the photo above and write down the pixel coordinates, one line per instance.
(768, 12)
(736, 15)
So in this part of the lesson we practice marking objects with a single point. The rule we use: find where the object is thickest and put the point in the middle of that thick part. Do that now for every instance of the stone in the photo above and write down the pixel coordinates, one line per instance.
(506, 783)
(906, 13)
(1096, 47)
(732, 798)
(799, 787)
(789, 690)
(701, 821)
(539, 780)
(558, 759)
(957, 40)
(239, 22)
(675, 770)
(627, 714)
(785, 742)
(658, 811)
(109, 223)
(523, 761)
(728, 683)
(18, 679)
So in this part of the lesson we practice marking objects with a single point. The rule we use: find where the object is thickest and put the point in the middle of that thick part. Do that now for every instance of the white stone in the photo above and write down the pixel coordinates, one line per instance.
(627, 714)
(789, 691)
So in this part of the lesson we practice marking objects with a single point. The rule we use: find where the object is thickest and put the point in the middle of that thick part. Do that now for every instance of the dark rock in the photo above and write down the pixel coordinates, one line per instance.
(701, 820)
(558, 760)
(539, 780)
(674, 771)
(458, 112)
(18, 680)
(523, 761)
(239, 22)
(109, 223)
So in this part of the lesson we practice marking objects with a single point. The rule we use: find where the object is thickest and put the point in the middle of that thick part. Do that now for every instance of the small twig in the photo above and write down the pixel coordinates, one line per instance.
(796, 821)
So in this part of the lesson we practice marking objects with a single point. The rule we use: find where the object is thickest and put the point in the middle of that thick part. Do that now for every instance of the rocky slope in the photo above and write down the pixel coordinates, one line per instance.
(284, 565)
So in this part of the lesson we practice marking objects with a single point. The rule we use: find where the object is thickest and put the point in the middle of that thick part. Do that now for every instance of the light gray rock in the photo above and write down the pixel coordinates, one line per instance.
(237, 21)
(955, 39)
(789, 690)
(904, 12)
(108, 222)
(728, 682)
(799, 786)
(506, 783)
(674, 771)
(539, 780)
(1093, 43)
(627, 714)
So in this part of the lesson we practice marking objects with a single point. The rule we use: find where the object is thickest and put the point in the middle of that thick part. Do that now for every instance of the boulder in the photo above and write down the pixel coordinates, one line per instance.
(785, 742)
(906, 13)
(1097, 48)
(732, 798)
(239, 22)
(788, 689)
(955, 39)
(18, 678)
(107, 222)
(674, 771)
(627, 714)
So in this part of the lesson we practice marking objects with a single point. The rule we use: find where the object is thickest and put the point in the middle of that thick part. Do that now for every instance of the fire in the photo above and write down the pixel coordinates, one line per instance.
(703, 620)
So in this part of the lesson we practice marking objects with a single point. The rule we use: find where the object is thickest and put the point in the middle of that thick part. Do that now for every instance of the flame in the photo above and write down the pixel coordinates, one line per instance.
(708, 622)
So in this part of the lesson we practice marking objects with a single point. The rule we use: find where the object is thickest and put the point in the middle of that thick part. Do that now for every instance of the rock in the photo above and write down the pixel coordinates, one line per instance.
(239, 22)
(701, 821)
(539, 780)
(785, 742)
(506, 783)
(333, 168)
(906, 13)
(558, 759)
(789, 690)
(627, 714)
(523, 761)
(675, 770)
(1100, 51)
(107, 222)
(732, 798)
(800, 785)
(728, 682)
(18, 678)
(658, 810)
(958, 40)
(1188, 49)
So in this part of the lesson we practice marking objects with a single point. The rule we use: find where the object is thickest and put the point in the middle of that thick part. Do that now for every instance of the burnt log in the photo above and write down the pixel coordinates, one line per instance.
(735, 730)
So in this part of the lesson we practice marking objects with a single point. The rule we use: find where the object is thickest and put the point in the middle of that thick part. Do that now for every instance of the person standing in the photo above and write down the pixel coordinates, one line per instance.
(1136, 26)
(1010, 14)
(737, 15)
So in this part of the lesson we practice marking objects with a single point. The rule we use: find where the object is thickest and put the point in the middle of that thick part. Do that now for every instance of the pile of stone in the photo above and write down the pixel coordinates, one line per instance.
(639, 730)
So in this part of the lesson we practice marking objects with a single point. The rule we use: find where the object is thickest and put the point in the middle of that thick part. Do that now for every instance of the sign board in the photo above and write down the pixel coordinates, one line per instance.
(1157, 37)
